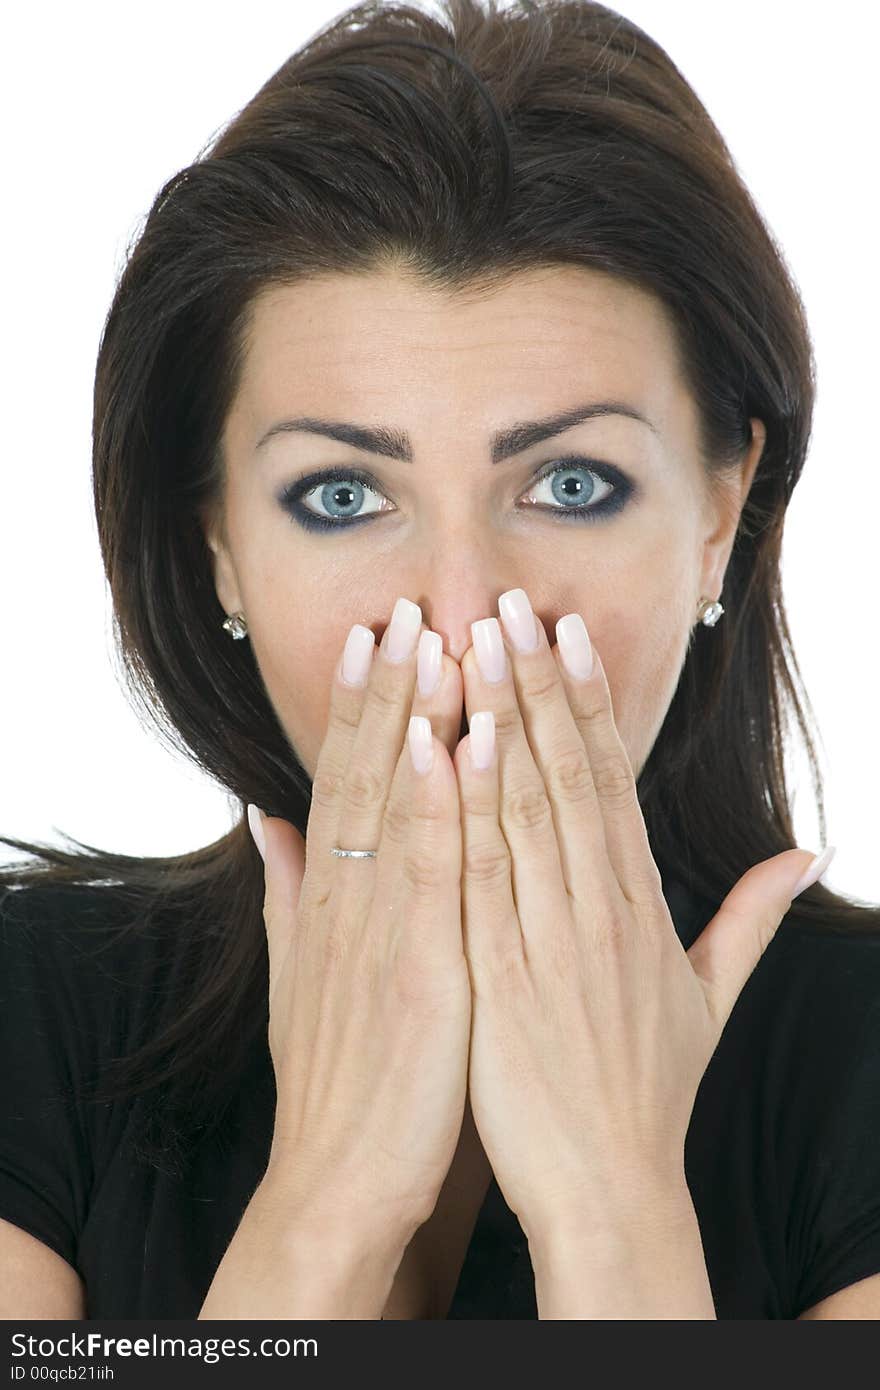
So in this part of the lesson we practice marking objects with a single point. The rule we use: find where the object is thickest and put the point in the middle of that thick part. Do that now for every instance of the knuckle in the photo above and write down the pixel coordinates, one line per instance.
(526, 806)
(423, 874)
(764, 930)
(396, 820)
(570, 775)
(593, 716)
(542, 687)
(326, 786)
(414, 988)
(502, 974)
(345, 711)
(420, 991)
(384, 699)
(365, 787)
(428, 815)
(486, 862)
(611, 916)
(612, 777)
(507, 722)
(645, 883)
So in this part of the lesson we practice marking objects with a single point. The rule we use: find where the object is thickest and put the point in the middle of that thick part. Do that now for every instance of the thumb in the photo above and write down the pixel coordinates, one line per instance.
(730, 946)
(283, 851)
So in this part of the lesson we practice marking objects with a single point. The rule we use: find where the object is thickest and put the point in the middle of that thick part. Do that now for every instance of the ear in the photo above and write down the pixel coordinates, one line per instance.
(723, 514)
(222, 568)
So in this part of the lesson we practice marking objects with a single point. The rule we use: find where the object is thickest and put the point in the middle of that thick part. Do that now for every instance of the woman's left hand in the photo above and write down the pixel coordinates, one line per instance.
(591, 1025)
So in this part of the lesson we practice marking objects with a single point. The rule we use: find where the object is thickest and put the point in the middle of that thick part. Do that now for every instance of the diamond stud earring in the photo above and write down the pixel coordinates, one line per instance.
(236, 625)
(708, 612)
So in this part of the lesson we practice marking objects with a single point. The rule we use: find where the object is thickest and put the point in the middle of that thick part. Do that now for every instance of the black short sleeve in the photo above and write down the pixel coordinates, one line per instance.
(844, 1244)
(47, 1050)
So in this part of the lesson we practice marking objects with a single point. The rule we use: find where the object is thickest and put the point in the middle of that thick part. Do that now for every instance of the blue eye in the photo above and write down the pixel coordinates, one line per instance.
(578, 497)
(572, 484)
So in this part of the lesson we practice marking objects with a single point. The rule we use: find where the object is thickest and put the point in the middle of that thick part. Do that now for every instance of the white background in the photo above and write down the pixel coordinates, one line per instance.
(104, 101)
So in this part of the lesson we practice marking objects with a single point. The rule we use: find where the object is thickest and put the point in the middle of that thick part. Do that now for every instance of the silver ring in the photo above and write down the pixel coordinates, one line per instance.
(353, 853)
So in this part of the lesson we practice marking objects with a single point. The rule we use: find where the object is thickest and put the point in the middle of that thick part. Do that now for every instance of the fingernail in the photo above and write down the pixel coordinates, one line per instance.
(421, 743)
(255, 821)
(481, 735)
(430, 660)
(357, 657)
(489, 649)
(403, 630)
(519, 620)
(815, 870)
(574, 646)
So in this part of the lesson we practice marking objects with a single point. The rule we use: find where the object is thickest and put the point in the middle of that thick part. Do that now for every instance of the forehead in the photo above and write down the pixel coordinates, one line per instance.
(372, 342)
(553, 309)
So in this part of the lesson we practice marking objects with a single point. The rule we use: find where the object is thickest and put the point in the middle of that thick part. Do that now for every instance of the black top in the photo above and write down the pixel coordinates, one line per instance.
(782, 1155)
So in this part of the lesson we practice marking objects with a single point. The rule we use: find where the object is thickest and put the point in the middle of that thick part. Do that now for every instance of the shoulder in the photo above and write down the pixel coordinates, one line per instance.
(803, 1040)
(60, 1019)
(63, 918)
(70, 950)
(832, 973)
(804, 1020)
(811, 997)
(825, 1077)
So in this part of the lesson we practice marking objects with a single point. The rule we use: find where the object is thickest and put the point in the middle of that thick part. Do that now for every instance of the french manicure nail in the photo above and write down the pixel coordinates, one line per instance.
(815, 870)
(574, 646)
(489, 649)
(481, 732)
(430, 661)
(403, 630)
(519, 620)
(255, 821)
(358, 655)
(421, 743)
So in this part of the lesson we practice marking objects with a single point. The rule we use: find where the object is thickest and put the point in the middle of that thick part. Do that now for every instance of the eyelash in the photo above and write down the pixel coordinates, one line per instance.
(290, 498)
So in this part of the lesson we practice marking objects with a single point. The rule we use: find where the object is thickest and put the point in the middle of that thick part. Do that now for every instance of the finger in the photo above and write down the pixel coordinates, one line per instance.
(418, 865)
(283, 852)
(491, 932)
(344, 717)
(557, 748)
(525, 813)
(733, 942)
(589, 699)
(348, 704)
(381, 731)
(439, 692)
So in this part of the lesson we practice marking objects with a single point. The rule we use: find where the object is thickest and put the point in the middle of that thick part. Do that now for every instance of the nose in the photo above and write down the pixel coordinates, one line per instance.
(457, 576)
(453, 619)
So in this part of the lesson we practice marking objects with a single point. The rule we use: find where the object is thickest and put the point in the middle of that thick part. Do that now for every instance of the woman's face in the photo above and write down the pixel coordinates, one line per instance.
(453, 527)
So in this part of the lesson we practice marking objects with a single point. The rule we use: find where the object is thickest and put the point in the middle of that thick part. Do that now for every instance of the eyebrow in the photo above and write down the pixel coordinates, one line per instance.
(396, 444)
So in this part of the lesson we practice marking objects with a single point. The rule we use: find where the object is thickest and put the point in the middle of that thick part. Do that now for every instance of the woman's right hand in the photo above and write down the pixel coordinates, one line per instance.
(369, 993)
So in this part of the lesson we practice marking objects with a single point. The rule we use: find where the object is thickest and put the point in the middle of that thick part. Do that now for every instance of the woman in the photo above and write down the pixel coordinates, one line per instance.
(536, 1000)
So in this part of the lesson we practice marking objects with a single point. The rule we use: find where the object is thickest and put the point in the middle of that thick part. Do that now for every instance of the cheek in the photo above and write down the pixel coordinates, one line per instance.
(643, 648)
(296, 655)
(299, 615)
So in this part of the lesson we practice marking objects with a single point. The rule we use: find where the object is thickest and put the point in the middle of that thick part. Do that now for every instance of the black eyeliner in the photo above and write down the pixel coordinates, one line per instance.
(289, 497)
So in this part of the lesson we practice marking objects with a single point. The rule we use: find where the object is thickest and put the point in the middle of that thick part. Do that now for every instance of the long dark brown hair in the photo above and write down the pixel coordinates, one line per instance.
(463, 145)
